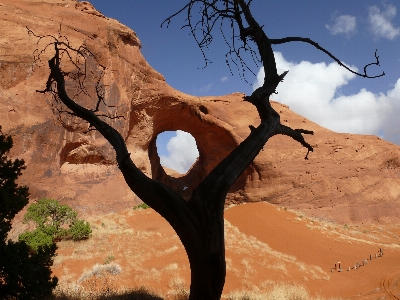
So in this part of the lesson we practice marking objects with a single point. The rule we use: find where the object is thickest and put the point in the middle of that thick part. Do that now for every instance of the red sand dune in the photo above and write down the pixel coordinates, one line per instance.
(321, 248)
(264, 245)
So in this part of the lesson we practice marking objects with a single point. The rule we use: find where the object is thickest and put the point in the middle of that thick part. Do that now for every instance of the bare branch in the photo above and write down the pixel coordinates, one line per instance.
(86, 78)
(316, 45)
(168, 20)
(212, 13)
(297, 135)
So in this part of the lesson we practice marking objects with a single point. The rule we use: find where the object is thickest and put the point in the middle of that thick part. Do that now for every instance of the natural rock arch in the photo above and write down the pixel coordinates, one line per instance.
(213, 143)
(172, 144)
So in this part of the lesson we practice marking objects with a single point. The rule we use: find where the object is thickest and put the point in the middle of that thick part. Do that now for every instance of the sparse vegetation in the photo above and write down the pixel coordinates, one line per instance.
(107, 290)
(281, 291)
(99, 270)
(141, 206)
(102, 293)
(140, 259)
(109, 259)
(54, 222)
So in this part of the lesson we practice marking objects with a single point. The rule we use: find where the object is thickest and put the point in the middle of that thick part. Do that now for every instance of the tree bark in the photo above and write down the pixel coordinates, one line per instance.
(208, 272)
(207, 261)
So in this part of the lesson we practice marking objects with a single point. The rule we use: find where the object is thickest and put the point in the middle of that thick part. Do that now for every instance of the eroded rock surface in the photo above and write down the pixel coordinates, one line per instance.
(348, 178)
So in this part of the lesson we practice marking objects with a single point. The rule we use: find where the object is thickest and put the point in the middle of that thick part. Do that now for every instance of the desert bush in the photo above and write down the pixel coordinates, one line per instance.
(80, 230)
(24, 274)
(49, 212)
(35, 239)
(109, 259)
(99, 270)
(141, 206)
(54, 222)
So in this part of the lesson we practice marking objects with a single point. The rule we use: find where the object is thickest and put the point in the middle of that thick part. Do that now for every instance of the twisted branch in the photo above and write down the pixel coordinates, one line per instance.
(316, 45)
(77, 60)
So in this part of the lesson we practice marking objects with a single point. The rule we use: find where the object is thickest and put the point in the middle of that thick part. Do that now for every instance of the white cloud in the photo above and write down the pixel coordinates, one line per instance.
(206, 88)
(343, 24)
(312, 91)
(183, 152)
(381, 22)
(224, 79)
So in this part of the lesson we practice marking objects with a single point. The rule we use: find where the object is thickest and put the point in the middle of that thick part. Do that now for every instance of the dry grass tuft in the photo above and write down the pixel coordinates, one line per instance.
(99, 270)
(282, 291)
(102, 288)
(106, 292)
(178, 289)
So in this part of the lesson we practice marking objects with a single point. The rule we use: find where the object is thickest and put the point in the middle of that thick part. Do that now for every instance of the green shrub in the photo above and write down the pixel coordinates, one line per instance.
(50, 215)
(80, 230)
(54, 222)
(35, 239)
(109, 259)
(141, 206)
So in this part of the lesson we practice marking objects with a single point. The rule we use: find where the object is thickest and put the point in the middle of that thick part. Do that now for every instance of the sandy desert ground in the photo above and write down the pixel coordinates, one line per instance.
(266, 246)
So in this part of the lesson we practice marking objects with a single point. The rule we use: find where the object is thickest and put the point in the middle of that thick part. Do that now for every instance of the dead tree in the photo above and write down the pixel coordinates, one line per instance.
(199, 221)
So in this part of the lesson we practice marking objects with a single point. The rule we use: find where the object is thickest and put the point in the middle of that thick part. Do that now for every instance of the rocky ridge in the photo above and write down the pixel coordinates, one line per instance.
(348, 178)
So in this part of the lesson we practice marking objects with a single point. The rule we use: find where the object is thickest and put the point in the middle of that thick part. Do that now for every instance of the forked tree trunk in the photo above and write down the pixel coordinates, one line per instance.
(199, 221)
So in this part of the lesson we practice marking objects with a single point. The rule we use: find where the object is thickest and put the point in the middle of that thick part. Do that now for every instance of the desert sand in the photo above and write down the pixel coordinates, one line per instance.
(348, 178)
(265, 246)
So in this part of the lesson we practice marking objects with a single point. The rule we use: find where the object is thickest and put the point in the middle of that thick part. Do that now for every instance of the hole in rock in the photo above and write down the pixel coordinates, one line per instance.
(203, 109)
(177, 150)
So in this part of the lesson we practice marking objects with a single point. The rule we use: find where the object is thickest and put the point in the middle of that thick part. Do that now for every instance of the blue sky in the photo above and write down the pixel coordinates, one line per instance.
(315, 86)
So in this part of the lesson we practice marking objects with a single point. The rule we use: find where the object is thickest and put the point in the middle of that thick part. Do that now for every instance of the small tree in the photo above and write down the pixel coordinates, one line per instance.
(198, 221)
(12, 197)
(54, 222)
(24, 274)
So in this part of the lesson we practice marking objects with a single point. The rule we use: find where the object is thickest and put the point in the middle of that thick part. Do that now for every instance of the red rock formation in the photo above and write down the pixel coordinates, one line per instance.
(348, 178)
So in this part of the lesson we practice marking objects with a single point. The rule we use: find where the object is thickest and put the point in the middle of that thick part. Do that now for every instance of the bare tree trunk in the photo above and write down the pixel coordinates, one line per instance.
(198, 222)
(207, 275)
(208, 267)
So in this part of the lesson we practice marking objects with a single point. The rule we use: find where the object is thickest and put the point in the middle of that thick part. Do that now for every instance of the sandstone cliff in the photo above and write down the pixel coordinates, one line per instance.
(348, 178)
